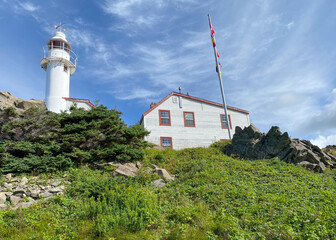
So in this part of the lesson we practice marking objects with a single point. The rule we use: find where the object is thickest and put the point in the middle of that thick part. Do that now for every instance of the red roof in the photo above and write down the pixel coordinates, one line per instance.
(80, 100)
(193, 98)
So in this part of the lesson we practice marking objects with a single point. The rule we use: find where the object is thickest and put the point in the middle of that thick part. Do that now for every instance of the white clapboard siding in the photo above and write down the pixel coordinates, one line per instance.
(207, 128)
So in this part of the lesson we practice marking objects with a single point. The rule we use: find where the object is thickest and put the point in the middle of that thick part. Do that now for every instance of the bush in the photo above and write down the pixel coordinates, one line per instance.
(35, 139)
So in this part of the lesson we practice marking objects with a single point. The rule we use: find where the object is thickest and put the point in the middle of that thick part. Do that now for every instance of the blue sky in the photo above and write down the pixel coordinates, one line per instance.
(278, 57)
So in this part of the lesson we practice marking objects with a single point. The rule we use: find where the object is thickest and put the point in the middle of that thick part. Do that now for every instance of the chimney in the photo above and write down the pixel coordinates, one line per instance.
(152, 105)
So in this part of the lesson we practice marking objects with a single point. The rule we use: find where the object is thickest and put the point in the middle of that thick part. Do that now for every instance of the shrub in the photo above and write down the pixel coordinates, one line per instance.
(37, 138)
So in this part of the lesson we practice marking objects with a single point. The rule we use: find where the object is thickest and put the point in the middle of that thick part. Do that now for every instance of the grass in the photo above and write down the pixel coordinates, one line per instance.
(213, 197)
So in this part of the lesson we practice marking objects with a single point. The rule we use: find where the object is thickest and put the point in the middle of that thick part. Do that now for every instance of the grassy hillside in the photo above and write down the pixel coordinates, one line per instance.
(213, 197)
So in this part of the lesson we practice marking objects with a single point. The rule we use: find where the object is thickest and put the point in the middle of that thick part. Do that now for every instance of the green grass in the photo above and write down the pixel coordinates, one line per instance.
(213, 197)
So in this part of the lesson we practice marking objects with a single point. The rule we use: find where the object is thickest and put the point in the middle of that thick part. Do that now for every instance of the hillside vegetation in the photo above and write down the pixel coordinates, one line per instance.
(41, 141)
(213, 197)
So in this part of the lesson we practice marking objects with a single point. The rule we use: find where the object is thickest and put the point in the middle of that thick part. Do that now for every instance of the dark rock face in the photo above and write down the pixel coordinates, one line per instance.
(250, 143)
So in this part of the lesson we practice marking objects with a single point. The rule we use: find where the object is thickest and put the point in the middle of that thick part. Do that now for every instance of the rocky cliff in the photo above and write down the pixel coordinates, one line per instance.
(250, 143)
(8, 100)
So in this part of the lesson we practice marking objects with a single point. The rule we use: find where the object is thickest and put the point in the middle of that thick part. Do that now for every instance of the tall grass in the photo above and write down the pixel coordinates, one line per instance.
(213, 197)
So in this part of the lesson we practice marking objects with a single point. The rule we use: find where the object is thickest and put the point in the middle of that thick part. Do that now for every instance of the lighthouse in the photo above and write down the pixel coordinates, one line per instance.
(60, 63)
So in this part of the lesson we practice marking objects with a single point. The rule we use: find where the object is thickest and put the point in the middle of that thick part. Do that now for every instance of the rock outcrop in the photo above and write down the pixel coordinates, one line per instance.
(8, 100)
(250, 143)
(20, 193)
(131, 170)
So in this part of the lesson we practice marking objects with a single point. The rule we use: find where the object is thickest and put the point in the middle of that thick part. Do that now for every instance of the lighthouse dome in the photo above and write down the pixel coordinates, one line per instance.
(58, 41)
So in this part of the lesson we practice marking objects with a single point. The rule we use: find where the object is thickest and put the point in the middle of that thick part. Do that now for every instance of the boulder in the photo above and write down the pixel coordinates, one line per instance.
(8, 186)
(3, 206)
(250, 143)
(138, 165)
(14, 199)
(8, 100)
(55, 183)
(34, 194)
(24, 180)
(126, 170)
(47, 195)
(19, 192)
(159, 183)
(23, 205)
(32, 103)
(8, 176)
(163, 173)
(3, 197)
(57, 189)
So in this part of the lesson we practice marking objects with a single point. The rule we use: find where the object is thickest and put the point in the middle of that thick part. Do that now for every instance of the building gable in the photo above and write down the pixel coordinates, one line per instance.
(191, 98)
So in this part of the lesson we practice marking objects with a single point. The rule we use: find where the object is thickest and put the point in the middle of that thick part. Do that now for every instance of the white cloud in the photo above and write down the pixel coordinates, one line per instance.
(323, 141)
(323, 120)
(138, 93)
(135, 12)
(290, 25)
(28, 6)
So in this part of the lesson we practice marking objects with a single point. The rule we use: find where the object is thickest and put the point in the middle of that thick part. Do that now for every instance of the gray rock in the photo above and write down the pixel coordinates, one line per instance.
(14, 199)
(57, 189)
(34, 193)
(32, 103)
(138, 165)
(19, 192)
(126, 170)
(47, 195)
(55, 184)
(159, 183)
(251, 144)
(24, 180)
(3, 197)
(13, 180)
(23, 205)
(8, 194)
(163, 173)
(3, 206)
(8, 186)
(8, 176)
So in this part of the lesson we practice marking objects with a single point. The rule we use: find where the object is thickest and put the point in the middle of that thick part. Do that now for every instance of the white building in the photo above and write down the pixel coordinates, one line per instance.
(60, 63)
(182, 121)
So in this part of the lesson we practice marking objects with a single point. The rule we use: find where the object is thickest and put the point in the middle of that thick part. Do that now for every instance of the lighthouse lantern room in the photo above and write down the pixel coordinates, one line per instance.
(59, 62)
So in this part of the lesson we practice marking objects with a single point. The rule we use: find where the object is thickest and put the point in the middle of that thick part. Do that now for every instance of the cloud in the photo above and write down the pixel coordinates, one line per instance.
(135, 12)
(28, 6)
(95, 47)
(290, 25)
(323, 141)
(138, 93)
(323, 120)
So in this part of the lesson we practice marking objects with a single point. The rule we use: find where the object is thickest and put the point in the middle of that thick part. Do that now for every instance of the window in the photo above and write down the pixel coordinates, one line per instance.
(224, 121)
(166, 142)
(189, 119)
(65, 69)
(164, 117)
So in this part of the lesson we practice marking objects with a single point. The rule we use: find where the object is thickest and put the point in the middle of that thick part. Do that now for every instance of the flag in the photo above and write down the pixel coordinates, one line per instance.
(220, 64)
(213, 42)
(212, 35)
(217, 53)
(212, 30)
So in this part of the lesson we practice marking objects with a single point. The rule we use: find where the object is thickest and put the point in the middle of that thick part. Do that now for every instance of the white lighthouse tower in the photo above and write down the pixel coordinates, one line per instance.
(60, 63)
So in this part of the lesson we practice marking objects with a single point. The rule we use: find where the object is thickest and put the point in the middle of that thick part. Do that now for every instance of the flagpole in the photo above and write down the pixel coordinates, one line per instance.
(220, 82)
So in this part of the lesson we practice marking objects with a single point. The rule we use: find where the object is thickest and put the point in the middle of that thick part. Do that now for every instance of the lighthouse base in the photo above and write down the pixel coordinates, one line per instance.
(56, 104)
